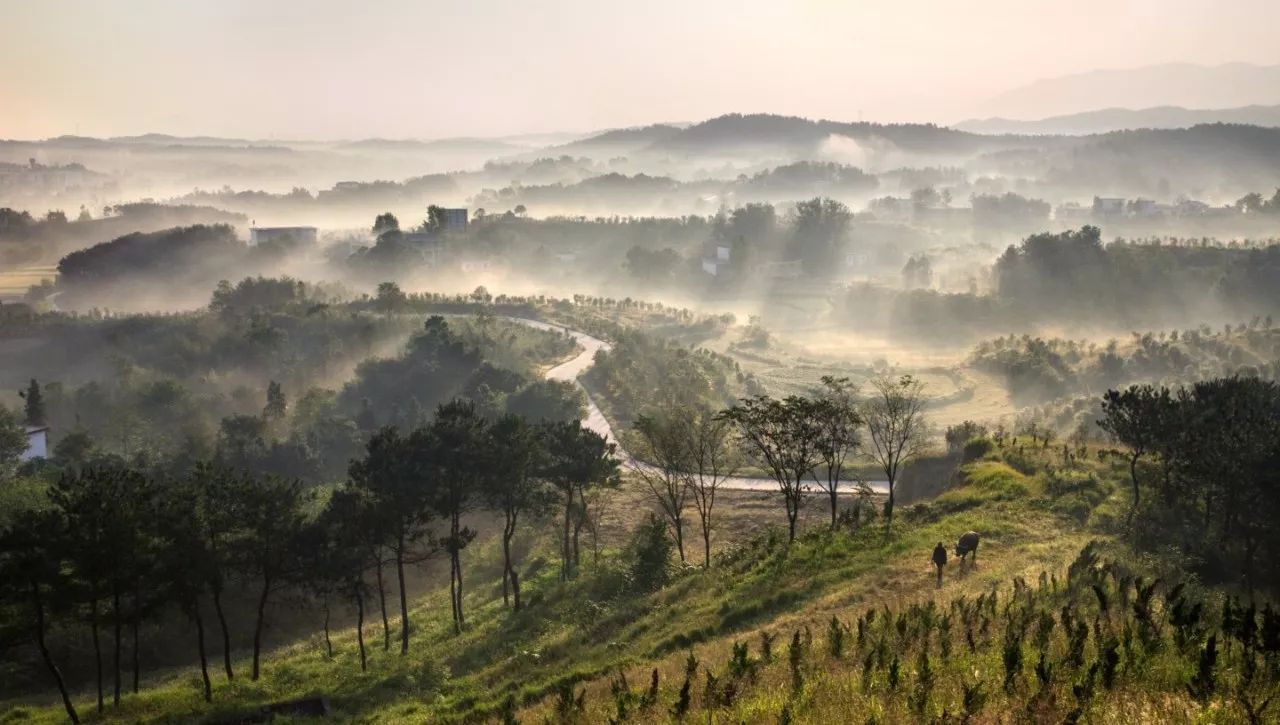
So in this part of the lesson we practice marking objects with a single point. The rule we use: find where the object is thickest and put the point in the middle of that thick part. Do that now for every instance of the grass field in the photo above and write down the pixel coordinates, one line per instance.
(583, 636)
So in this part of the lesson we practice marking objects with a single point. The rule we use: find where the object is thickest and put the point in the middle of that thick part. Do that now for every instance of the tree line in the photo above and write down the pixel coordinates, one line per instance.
(113, 547)
(803, 442)
(1209, 454)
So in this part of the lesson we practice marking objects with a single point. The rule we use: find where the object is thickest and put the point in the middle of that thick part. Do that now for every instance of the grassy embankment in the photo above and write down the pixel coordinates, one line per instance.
(576, 640)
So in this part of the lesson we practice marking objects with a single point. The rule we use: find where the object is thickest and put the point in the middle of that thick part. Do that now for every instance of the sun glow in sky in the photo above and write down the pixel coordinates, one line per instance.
(321, 69)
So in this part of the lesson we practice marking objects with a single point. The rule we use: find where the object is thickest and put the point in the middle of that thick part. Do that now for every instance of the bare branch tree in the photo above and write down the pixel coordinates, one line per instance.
(838, 420)
(714, 459)
(664, 465)
(897, 426)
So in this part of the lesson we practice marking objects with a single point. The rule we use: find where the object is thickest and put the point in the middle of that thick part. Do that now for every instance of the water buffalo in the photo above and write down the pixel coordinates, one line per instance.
(968, 544)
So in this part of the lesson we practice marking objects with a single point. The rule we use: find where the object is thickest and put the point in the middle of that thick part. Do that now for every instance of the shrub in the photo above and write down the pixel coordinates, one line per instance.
(977, 449)
(649, 555)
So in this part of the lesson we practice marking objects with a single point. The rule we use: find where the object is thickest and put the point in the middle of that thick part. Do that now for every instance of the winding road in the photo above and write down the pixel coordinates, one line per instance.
(569, 371)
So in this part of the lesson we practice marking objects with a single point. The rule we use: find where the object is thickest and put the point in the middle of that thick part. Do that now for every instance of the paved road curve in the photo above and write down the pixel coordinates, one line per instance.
(569, 371)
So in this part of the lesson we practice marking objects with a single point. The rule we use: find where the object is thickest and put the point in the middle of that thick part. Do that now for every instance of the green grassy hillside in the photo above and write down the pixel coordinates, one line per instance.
(1056, 621)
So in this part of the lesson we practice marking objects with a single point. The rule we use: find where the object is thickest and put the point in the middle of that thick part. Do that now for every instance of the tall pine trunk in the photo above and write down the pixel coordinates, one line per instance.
(38, 604)
(135, 616)
(360, 628)
(455, 528)
(706, 546)
(257, 627)
(328, 643)
(97, 647)
(137, 657)
(204, 657)
(115, 631)
(226, 631)
(679, 527)
(508, 533)
(566, 569)
(382, 602)
(404, 598)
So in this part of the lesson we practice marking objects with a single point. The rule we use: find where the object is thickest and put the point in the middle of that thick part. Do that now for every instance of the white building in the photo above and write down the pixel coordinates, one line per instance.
(305, 235)
(37, 443)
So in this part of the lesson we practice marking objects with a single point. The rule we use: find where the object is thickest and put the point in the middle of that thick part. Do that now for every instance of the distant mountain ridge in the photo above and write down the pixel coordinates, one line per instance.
(1118, 119)
(1187, 85)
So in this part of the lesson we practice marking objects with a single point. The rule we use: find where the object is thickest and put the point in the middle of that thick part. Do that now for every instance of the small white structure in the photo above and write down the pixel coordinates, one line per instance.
(37, 443)
(305, 235)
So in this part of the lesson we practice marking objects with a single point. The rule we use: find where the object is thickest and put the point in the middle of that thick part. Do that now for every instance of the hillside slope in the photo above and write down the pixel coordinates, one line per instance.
(587, 650)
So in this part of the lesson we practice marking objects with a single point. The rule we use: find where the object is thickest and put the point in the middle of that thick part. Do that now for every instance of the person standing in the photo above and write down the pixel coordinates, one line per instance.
(939, 560)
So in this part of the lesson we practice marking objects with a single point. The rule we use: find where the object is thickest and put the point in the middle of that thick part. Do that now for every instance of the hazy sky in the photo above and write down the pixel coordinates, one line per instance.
(328, 69)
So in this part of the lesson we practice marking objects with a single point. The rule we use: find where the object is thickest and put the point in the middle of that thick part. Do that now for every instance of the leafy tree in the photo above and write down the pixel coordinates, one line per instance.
(818, 230)
(649, 554)
(390, 298)
(555, 401)
(784, 437)
(664, 464)
(88, 503)
(714, 458)
(185, 563)
(516, 455)
(579, 459)
(272, 513)
(75, 450)
(30, 564)
(385, 222)
(388, 477)
(838, 419)
(450, 453)
(897, 428)
(652, 265)
(13, 439)
(218, 521)
(242, 440)
(34, 405)
(1134, 418)
(276, 406)
(345, 551)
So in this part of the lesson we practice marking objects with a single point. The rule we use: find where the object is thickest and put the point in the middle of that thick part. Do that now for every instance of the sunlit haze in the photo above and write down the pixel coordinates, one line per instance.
(322, 69)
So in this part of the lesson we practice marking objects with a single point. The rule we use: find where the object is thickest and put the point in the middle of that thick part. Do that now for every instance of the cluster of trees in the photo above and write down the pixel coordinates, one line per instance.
(803, 439)
(113, 548)
(643, 371)
(131, 270)
(28, 239)
(1008, 209)
(200, 384)
(1039, 369)
(1073, 275)
(1214, 450)
(1255, 203)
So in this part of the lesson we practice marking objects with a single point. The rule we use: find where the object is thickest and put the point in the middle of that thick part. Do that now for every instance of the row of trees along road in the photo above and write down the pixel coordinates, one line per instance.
(113, 547)
(797, 439)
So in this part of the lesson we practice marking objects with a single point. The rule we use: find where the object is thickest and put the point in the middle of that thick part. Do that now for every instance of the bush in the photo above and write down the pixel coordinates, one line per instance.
(649, 555)
(983, 482)
(976, 449)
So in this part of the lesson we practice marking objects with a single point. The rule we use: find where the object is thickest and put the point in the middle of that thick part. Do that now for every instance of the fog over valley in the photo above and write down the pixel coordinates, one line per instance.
(471, 363)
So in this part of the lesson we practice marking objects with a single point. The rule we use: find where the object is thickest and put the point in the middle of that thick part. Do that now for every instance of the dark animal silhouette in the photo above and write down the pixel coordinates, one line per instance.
(939, 559)
(968, 544)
